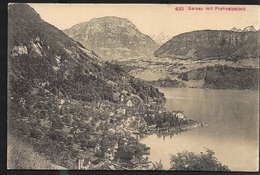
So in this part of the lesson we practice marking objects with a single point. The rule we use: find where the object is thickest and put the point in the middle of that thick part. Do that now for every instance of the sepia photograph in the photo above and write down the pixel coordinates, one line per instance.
(133, 87)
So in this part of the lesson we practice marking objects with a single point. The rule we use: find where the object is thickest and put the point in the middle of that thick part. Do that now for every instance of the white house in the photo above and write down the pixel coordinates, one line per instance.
(129, 103)
(180, 115)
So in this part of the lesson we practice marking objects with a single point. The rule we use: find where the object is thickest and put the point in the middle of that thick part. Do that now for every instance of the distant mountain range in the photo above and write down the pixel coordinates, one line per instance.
(161, 38)
(112, 38)
(213, 44)
(247, 29)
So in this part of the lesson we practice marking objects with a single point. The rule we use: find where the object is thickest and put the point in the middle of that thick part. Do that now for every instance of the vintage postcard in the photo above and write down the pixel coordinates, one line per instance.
(133, 87)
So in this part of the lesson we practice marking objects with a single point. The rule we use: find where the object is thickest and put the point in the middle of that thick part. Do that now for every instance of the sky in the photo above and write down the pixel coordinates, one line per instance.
(152, 19)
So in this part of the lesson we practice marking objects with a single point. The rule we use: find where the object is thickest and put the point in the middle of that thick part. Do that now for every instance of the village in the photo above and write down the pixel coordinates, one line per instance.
(112, 136)
(105, 135)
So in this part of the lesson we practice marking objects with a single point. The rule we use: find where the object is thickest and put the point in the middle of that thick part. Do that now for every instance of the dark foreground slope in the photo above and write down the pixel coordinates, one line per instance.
(48, 73)
(22, 156)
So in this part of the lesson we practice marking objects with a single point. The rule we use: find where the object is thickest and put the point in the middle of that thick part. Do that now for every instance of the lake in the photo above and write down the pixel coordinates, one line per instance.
(232, 133)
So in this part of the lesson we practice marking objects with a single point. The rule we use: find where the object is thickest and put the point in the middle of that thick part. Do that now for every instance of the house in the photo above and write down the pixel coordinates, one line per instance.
(130, 112)
(144, 160)
(126, 155)
(111, 113)
(104, 165)
(88, 163)
(149, 100)
(142, 122)
(129, 103)
(22, 101)
(97, 148)
(110, 153)
(121, 111)
(133, 101)
(120, 132)
(95, 161)
(116, 96)
(122, 98)
(180, 115)
(134, 161)
(80, 162)
(84, 163)
(123, 141)
(128, 121)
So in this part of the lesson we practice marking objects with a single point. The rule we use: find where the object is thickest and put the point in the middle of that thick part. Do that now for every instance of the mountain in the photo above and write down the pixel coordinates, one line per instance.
(246, 29)
(212, 44)
(234, 29)
(42, 54)
(55, 87)
(249, 29)
(112, 38)
(161, 38)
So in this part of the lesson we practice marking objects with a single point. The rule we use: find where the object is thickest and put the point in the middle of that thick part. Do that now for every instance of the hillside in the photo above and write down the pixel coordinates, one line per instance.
(168, 72)
(41, 56)
(224, 77)
(56, 86)
(212, 44)
(22, 156)
(112, 38)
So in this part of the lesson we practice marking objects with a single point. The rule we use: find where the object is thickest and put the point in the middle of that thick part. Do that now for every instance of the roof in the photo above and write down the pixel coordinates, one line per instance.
(97, 161)
(180, 115)
(125, 155)
(134, 160)
(86, 161)
(163, 109)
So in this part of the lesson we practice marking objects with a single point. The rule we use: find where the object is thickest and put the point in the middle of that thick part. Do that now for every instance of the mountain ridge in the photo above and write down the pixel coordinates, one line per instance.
(211, 44)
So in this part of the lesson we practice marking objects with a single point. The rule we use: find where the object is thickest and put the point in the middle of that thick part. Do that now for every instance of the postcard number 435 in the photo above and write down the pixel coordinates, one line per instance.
(179, 8)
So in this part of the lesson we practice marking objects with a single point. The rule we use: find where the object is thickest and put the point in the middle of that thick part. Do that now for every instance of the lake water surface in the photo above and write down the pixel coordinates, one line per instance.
(233, 131)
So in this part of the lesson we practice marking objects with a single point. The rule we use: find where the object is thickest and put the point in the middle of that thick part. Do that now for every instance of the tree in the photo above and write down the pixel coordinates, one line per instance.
(189, 161)
(158, 165)
(36, 133)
